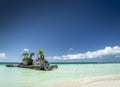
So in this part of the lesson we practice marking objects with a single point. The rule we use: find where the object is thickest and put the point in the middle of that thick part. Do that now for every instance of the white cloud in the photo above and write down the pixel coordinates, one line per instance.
(94, 54)
(70, 49)
(117, 56)
(26, 50)
(2, 55)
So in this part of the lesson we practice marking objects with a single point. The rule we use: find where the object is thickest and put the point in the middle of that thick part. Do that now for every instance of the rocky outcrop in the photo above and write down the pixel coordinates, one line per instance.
(28, 61)
(45, 67)
(38, 64)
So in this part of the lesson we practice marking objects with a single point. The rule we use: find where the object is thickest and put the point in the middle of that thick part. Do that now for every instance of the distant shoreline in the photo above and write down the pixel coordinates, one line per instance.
(67, 62)
(82, 62)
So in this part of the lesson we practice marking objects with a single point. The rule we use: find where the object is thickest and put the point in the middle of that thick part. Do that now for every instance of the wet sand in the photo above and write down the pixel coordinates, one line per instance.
(98, 81)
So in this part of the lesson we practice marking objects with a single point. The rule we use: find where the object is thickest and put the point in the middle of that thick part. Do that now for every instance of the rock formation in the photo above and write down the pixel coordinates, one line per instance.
(39, 64)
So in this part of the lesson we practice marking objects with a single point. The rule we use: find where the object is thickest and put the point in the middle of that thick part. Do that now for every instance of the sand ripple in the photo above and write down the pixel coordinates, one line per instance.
(99, 81)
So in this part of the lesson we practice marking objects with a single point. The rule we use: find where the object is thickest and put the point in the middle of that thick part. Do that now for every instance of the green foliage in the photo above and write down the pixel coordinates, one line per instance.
(40, 51)
(25, 55)
(32, 54)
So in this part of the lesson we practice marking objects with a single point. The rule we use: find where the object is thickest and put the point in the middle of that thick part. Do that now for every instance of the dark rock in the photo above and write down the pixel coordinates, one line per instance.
(9, 65)
(38, 64)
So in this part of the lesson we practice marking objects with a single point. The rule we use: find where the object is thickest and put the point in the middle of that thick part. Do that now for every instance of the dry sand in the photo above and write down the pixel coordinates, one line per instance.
(99, 81)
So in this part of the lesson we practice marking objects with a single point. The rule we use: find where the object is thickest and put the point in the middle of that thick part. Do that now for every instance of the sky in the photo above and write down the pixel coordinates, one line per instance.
(67, 30)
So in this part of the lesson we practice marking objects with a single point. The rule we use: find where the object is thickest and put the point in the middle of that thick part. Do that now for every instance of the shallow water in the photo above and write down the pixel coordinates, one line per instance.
(19, 77)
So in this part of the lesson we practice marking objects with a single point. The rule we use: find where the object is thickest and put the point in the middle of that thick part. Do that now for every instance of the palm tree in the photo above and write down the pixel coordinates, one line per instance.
(31, 55)
(40, 52)
(25, 59)
(25, 55)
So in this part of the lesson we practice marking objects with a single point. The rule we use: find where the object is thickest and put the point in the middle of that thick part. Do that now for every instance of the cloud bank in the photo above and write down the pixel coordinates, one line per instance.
(70, 49)
(2, 55)
(94, 54)
(26, 50)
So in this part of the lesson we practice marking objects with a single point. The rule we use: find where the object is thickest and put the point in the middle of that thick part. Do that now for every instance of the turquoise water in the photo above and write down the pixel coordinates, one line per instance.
(19, 77)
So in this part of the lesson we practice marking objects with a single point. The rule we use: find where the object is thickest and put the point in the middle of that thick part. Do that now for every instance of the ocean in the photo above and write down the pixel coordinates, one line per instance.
(21, 77)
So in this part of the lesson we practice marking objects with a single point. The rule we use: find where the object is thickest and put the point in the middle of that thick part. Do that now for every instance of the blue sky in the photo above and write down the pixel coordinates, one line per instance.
(60, 27)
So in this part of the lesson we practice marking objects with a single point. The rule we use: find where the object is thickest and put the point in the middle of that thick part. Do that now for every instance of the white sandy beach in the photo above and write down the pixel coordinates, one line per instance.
(98, 81)
(67, 75)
